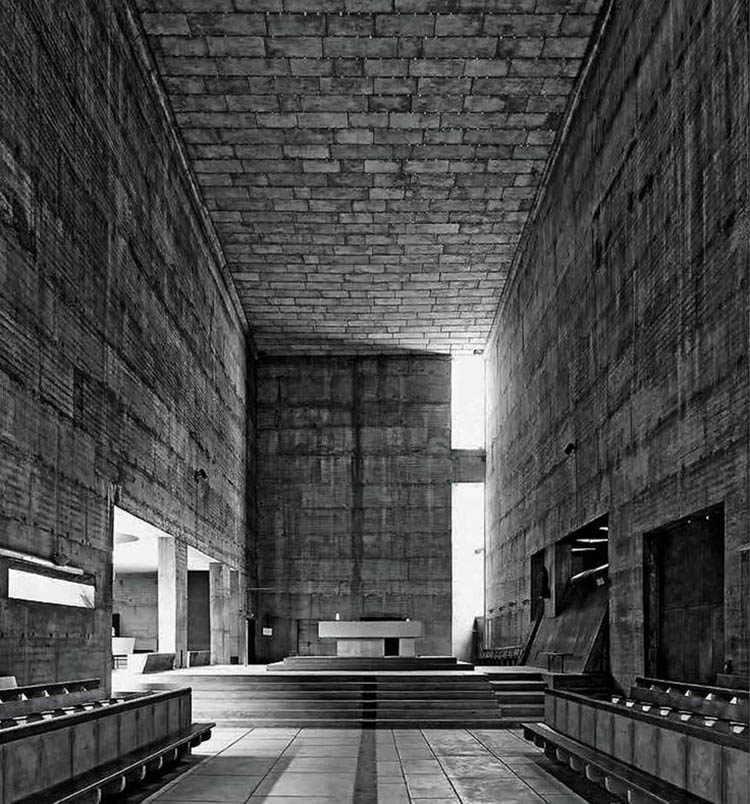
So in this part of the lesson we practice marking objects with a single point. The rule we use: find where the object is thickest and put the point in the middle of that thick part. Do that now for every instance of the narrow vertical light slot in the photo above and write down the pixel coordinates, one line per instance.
(467, 564)
(467, 402)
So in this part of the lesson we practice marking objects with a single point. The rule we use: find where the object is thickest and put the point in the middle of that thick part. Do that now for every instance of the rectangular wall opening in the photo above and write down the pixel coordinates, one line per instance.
(467, 564)
(569, 590)
(39, 588)
(539, 584)
(684, 598)
(467, 402)
(164, 600)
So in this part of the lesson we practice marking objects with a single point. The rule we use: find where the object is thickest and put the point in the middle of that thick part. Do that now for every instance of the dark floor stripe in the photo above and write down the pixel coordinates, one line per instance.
(366, 781)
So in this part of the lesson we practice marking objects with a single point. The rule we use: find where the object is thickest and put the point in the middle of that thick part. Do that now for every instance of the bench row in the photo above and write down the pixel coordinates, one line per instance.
(671, 712)
(717, 702)
(65, 752)
(704, 763)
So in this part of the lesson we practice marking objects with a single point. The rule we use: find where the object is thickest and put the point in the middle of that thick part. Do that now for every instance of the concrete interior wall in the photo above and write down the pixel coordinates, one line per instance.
(625, 330)
(135, 599)
(123, 358)
(354, 496)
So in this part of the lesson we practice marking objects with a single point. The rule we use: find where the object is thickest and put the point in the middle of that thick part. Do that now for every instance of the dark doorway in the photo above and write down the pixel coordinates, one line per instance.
(390, 646)
(199, 608)
(539, 585)
(250, 658)
(684, 598)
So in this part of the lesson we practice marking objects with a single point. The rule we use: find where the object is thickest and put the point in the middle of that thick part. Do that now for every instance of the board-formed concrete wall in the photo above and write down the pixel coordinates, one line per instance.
(625, 330)
(135, 597)
(122, 355)
(354, 496)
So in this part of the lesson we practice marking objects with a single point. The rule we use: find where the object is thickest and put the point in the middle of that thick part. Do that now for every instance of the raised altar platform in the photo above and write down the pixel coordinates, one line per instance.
(372, 638)
(370, 664)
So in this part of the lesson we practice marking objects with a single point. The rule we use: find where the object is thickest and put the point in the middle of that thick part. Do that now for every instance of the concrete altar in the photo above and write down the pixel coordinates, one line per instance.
(371, 637)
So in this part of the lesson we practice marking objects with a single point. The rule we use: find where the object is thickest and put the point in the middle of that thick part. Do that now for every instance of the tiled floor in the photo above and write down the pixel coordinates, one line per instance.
(340, 766)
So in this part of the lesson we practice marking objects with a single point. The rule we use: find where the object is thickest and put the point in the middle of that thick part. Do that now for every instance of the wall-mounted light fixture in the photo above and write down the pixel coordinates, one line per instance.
(60, 558)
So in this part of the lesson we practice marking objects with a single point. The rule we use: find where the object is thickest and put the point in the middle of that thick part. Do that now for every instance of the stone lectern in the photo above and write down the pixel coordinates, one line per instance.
(370, 637)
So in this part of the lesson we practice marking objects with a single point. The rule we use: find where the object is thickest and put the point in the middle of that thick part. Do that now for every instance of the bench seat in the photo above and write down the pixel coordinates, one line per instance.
(129, 769)
(683, 752)
(624, 781)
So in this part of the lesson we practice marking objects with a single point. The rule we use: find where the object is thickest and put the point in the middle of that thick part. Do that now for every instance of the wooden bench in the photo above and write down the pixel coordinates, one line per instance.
(506, 655)
(126, 771)
(623, 781)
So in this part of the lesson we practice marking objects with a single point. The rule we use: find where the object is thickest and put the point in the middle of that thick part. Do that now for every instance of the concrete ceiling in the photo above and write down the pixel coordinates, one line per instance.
(369, 164)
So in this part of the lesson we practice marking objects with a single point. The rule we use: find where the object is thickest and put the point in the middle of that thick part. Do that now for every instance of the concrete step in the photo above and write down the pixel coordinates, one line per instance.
(522, 711)
(428, 683)
(353, 695)
(380, 723)
(439, 700)
(516, 697)
(286, 679)
(352, 663)
(294, 715)
(329, 692)
(349, 702)
(206, 709)
(520, 686)
(333, 695)
(513, 676)
(324, 678)
(326, 692)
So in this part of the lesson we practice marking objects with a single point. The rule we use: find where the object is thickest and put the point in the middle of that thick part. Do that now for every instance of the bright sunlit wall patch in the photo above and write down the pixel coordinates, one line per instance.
(467, 402)
(39, 588)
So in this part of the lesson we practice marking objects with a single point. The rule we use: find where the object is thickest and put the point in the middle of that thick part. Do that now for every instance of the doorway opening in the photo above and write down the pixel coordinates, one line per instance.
(684, 598)
(539, 585)
(569, 597)
(171, 603)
